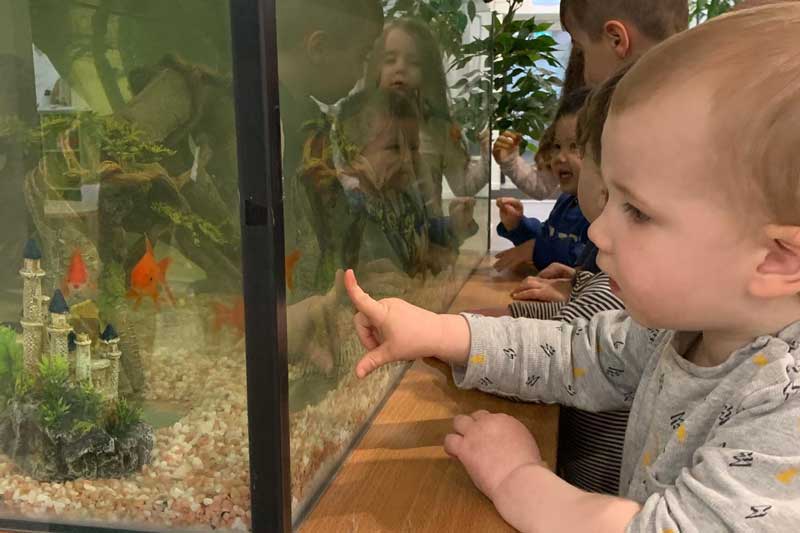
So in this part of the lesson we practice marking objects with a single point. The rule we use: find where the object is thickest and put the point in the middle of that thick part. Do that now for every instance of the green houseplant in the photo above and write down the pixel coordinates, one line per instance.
(702, 10)
(520, 93)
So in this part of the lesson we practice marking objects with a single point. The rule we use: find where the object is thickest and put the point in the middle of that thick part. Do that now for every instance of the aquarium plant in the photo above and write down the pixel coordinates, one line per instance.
(121, 418)
(11, 363)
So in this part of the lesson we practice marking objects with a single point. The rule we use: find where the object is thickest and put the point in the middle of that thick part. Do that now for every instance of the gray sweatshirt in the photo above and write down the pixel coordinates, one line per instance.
(707, 449)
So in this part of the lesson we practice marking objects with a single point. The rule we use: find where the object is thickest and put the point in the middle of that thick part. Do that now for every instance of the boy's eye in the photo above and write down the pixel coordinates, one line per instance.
(573, 147)
(636, 215)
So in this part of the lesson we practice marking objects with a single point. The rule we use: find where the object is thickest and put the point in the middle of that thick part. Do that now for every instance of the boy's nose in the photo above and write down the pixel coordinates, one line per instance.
(598, 231)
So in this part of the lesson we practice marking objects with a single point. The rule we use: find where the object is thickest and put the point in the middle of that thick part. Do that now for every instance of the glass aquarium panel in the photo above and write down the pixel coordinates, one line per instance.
(385, 117)
(122, 364)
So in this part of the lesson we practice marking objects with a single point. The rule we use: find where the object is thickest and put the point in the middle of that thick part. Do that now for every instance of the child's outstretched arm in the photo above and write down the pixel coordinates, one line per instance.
(593, 365)
(394, 330)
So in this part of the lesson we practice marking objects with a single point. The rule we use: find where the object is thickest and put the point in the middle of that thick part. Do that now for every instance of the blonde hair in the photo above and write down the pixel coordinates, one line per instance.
(756, 115)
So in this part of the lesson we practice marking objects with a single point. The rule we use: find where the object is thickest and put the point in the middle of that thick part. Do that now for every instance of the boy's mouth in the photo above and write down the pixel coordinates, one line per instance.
(398, 84)
(565, 175)
(613, 285)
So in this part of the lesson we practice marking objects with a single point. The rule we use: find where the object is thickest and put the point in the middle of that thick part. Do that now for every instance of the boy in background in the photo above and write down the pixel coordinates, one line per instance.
(606, 35)
(322, 51)
(562, 237)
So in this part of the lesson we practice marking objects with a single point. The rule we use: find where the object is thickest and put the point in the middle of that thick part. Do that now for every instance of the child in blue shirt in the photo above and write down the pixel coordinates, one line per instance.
(563, 236)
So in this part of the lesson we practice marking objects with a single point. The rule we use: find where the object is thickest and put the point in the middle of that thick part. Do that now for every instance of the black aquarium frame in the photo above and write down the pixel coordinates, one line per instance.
(255, 84)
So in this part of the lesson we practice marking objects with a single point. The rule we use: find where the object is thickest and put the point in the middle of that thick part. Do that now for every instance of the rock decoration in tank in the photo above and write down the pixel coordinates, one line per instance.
(61, 416)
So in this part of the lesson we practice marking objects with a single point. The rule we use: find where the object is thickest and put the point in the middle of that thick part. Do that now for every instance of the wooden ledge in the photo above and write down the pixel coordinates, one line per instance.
(398, 478)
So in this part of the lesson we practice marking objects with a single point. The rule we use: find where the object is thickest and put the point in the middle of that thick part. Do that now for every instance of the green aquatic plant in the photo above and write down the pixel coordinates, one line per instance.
(11, 363)
(62, 404)
(51, 413)
(53, 376)
(121, 418)
(119, 140)
(193, 223)
(23, 385)
(83, 427)
(124, 143)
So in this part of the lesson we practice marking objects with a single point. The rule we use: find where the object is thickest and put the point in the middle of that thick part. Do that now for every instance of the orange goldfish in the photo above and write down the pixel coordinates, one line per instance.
(232, 316)
(148, 276)
(289, 263)
(77, 277)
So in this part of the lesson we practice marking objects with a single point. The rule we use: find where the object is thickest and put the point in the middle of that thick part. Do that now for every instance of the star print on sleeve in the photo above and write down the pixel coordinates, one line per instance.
(726, 414)
(485, 382)
(510, 353)
(787, 476)
(478, 359)
(614, 372)
(628, 398)
(548, 350)
(742, 459)
(793, 387)
(758, 511)
(532, 381)
(677, 419)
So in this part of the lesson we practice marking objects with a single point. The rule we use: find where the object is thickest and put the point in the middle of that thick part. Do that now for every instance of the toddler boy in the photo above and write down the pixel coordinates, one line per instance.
(701, 239)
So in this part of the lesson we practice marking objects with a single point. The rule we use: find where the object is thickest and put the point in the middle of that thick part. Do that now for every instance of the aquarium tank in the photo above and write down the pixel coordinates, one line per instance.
(183, 185)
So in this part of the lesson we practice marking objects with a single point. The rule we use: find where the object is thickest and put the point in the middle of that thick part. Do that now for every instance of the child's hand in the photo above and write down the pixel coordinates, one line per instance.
(511, 212)
(491, 447)
(557, 271)
(485, 139)
(462, 216)
(517, 258)
(506, 147)
(394, 330)
(543, 290)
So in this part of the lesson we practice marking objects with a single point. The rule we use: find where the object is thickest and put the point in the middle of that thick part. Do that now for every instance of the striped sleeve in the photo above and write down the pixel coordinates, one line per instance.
(591, 295)
(535, 309)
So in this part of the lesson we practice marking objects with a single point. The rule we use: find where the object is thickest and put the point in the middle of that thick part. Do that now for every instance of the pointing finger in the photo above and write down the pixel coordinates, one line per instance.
(373, 310)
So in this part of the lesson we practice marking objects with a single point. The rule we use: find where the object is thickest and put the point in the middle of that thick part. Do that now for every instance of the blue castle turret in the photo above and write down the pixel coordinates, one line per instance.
(58, 304)
(109, 333)
(32, 250)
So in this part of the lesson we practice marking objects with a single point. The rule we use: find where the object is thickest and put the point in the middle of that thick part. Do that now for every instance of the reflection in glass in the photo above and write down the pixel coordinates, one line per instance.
(378, 177)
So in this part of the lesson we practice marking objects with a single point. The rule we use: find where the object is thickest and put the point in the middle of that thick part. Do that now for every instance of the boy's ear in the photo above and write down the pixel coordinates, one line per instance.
(618, 37)
(316, 45)
(778, 274)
